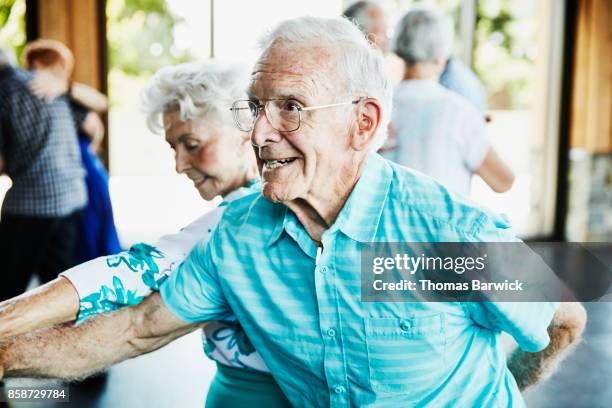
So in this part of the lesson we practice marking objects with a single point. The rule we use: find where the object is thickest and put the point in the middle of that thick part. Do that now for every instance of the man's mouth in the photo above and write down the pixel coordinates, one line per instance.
(275, 164)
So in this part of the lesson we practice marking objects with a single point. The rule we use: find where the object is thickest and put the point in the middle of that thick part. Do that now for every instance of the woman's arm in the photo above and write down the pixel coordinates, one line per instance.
(104, 284)
(72, 352)
(52, 303)
(89, 97)
(495, 172)
(49, 87)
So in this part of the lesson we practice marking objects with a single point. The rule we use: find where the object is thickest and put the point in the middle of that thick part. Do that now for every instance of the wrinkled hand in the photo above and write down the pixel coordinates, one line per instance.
(47, 86)
(565, 331)
(568, 324)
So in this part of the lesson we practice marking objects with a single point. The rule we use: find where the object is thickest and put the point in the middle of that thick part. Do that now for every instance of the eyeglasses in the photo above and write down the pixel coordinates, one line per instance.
(284, 115)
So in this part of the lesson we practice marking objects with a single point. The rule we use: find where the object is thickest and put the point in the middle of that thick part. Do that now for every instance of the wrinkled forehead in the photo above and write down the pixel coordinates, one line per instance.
(285, 70)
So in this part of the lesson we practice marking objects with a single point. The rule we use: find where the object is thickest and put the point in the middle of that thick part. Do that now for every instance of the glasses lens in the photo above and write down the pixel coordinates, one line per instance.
(284, 115)
(245, 113)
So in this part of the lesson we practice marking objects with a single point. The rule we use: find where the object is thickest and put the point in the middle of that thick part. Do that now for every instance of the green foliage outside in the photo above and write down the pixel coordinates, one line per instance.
(140, 41)
(12, 25)
(505, 48)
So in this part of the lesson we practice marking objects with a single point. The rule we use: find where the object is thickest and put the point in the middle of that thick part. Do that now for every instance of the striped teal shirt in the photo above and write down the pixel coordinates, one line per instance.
(301, 307)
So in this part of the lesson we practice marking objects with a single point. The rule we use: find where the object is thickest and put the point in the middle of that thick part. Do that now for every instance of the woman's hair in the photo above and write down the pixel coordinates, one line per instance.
(195, 90)
(359, 67)
(423, 35)
(49, 53)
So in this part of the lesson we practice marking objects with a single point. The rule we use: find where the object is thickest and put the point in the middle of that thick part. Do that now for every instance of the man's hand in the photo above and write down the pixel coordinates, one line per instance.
(565, 330)
(50, 304)
(74, 352)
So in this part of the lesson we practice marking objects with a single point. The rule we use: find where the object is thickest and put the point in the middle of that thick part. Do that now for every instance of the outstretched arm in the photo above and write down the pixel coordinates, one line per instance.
(565, 331)
(49, 87)
(50, 304)
(72, 352)
(104, 284)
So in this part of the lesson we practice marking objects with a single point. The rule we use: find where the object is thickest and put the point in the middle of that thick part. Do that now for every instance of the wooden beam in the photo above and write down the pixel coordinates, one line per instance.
(75, 23)
(591, 119)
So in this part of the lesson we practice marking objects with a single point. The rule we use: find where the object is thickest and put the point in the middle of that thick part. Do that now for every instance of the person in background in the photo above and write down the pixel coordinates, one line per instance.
(437, 131)
(53, 63)
(456, 77)
(41, 211)
(459, 78)
(371, 19)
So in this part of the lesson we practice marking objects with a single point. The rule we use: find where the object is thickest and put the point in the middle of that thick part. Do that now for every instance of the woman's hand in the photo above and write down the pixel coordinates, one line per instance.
(47, 86)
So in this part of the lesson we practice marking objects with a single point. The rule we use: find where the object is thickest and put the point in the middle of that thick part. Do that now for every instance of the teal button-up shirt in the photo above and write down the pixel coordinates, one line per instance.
(301, 305)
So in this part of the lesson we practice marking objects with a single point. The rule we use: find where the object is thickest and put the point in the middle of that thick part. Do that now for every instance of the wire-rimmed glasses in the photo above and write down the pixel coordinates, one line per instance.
(284, 115)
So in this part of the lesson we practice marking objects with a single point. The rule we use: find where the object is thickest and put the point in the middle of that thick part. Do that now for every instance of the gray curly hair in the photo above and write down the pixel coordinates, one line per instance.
(196, 90)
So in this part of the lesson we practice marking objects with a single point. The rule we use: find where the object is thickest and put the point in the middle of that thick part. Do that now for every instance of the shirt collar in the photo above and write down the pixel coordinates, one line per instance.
(361, 213)
(360, 216)
(281, 216)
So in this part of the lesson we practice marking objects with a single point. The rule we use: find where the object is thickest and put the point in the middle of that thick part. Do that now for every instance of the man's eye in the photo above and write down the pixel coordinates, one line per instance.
(291, 106)
(191, 147)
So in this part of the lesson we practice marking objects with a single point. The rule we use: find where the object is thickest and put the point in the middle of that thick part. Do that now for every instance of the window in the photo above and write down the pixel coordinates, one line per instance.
(513, 45)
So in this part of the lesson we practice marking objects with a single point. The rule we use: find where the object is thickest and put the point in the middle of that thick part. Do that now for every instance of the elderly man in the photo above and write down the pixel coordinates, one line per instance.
(286, 262)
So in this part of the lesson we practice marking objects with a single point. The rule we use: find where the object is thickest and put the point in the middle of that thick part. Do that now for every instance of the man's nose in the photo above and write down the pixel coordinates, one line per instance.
(263, 132)
(181, 160)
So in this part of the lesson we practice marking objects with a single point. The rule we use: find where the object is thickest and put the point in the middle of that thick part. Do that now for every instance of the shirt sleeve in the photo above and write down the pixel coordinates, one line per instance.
(109, 283)
(194, 293)
(473, 139)
(526, 322)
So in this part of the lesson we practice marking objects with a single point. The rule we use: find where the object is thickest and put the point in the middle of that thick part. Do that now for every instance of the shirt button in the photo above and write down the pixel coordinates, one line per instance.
(331, 333)
(323, 269)
(405, 325)
(339, 389)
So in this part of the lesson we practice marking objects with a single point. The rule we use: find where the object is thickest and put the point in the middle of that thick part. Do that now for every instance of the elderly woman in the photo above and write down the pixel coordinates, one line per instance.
(437, 131)
(193, 102)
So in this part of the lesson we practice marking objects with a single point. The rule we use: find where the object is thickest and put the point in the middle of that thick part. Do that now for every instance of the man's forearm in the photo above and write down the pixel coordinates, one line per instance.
(50, 304)
(565, 331)
(72, 352)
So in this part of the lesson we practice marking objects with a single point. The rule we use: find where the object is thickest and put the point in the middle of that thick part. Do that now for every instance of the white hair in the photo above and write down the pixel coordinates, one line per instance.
(357, 61)
(196, 89)
(423, 35)
(7, 57)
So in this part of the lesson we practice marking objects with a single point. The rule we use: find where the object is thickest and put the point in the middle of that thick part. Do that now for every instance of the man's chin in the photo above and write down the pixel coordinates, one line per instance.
(278, 192)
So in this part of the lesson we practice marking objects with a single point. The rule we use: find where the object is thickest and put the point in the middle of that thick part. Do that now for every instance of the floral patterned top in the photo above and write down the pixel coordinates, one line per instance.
(109, 283)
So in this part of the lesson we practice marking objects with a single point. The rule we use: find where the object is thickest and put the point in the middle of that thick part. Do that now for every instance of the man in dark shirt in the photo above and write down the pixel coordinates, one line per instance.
(40, 212)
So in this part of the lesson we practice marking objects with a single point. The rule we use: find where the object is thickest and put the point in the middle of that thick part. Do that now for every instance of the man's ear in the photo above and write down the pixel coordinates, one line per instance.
(367, 123)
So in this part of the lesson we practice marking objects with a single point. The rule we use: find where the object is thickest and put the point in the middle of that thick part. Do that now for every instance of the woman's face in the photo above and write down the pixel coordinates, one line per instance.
(213, 156)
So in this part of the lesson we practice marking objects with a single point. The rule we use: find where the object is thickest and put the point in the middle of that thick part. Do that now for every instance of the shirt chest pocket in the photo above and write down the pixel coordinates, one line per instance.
(406, 354)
